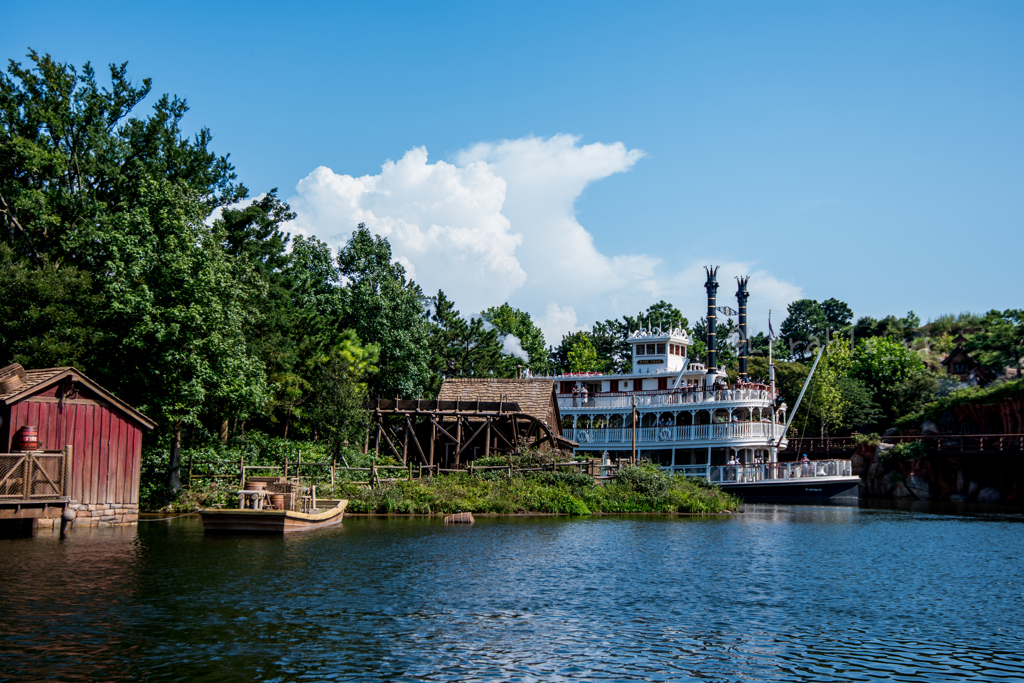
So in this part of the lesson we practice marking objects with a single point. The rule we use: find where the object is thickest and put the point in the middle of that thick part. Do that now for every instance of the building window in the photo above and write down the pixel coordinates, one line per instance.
(958, 368)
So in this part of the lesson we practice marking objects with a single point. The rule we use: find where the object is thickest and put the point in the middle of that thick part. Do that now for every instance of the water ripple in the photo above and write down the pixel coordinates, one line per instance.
(776, 594)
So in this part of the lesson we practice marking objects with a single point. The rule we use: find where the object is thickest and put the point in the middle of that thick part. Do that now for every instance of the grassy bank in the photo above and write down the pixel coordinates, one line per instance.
(636, 489)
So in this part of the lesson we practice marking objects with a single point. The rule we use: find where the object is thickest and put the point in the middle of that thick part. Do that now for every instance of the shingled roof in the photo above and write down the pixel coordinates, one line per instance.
(16, 384)
(535, 396)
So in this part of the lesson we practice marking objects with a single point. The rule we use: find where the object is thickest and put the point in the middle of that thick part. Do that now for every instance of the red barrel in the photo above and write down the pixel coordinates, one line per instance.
(28, 439)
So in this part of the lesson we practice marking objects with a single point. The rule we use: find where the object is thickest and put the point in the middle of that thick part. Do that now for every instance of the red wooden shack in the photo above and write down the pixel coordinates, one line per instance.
(99, 436)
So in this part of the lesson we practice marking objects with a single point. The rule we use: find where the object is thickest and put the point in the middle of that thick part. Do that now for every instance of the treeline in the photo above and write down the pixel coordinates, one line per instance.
(132, 252)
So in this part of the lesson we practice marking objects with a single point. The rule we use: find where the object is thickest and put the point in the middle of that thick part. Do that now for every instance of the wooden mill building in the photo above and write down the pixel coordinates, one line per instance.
(89, 451)
(471, 418)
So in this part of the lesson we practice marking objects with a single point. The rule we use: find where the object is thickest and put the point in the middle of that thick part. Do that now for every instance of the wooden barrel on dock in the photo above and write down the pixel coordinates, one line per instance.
(277, 500)
(28, 439)
(459, 518)
(255, 485)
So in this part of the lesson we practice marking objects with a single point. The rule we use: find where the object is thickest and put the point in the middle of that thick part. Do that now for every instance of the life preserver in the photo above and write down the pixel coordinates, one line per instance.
(583, 437)
(665, 434)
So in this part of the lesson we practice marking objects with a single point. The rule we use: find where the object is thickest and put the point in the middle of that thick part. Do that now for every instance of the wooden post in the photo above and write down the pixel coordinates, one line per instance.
(69, 452)
(377, 433)
(458, 437)
(405, 442)
(241, 471)
(191, 457)
(433, 438)
(298, 466)
(286, 467)
(634, 431)
(487, 439)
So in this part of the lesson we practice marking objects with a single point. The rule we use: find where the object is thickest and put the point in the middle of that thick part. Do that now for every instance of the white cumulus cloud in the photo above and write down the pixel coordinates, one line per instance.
(444, 223)
(498, 223)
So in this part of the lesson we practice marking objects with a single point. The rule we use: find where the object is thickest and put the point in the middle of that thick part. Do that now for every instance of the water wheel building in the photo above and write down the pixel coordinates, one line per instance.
(472, 418)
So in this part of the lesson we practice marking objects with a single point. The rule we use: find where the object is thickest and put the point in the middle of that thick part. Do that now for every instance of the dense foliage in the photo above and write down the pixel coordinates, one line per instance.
(636, 489)
(131, 251)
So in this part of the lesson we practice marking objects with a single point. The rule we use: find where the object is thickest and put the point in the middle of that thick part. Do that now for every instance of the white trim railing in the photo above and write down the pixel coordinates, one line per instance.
(754, 472)
(668, 398)
(674, 434)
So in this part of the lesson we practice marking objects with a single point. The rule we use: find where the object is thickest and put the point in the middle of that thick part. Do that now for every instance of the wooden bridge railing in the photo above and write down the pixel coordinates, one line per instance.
(33, 476)
(941, 443)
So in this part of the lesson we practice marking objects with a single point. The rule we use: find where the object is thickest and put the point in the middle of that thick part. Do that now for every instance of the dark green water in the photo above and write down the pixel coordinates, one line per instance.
(774, 594)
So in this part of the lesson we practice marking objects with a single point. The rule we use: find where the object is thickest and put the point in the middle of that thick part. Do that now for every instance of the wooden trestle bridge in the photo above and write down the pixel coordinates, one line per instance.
(447, 433)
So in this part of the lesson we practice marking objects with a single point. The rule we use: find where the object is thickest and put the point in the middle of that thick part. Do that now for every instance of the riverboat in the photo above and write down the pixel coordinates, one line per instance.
(686, 417)
(259, 521)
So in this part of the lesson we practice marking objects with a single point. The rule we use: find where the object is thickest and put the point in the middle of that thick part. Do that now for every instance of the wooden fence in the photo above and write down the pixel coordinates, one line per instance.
(376, 474)
(967, 444)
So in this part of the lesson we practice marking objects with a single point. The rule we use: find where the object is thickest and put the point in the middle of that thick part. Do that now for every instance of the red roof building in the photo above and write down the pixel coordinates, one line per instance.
(99, 435)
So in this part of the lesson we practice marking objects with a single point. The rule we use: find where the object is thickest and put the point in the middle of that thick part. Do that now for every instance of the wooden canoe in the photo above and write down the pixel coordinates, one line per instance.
(269, 521)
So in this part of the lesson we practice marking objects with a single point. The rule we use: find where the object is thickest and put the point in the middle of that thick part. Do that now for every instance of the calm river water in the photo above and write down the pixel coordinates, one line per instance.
(774, 594)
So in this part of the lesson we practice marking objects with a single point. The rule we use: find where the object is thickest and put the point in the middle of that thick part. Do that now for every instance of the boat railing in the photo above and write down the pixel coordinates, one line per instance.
(754, 472)
(678, 397)
(674, 433)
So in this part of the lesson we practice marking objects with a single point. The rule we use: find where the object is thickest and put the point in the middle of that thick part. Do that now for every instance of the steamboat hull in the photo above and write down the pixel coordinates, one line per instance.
(274, 522)
(837, 489)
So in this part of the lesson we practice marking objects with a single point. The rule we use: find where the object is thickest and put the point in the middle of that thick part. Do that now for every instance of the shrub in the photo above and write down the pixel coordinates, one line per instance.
(905, 451)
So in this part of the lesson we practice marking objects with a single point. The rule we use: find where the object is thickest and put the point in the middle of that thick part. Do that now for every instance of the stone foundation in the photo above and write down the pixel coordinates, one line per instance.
(103, 514)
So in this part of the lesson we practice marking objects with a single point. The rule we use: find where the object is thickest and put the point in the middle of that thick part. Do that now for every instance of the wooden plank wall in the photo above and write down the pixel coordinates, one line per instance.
(107, 447)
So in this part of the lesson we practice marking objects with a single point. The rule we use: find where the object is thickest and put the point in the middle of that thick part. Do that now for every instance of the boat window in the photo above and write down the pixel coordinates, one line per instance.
(651, 349)
(639, 349)
(661, 348)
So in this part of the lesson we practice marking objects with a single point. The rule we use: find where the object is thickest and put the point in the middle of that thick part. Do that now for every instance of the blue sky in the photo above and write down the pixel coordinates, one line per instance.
(869, 151)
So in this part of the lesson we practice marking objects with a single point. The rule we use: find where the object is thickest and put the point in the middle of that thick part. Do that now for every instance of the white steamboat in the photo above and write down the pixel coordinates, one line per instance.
(687, 417)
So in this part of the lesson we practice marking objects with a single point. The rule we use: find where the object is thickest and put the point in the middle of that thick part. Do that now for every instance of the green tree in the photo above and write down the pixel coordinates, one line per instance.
(461, 348)
(122, 201)
(512, 321)
(336, 412)
(388, 311)
(73, 159)
(999, 340)
(586, 358)
(176, 321)
(48, 315)
(838, 314)
(897, 378)
(582, 356)
(804, 329)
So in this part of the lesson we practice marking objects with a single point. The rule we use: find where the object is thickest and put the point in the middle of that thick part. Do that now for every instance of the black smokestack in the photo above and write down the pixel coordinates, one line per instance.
(741, 298)
(712, 286)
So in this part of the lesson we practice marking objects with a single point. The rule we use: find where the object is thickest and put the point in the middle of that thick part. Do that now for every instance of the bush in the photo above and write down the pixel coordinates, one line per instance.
(905, 451)
(645, 479)
(872, 439)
